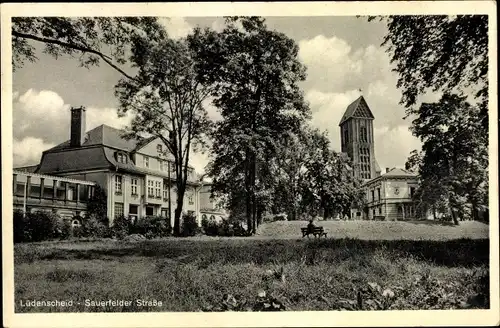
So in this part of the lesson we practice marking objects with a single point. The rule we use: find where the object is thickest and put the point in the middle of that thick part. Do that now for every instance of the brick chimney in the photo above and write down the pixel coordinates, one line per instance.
(387, 169)
(77, 132)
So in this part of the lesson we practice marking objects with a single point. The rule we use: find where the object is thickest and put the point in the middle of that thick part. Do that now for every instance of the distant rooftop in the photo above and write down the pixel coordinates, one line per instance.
(399, 172)
(107, 136)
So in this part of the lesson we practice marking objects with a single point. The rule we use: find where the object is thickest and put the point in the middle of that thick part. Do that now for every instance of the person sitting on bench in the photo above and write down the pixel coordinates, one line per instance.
(310, 226)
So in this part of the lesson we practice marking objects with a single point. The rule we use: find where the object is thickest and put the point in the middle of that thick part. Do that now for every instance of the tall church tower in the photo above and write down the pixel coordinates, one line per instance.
(356, 135)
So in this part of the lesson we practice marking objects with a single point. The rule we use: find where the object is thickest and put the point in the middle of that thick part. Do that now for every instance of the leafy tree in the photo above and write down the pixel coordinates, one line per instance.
(166, 98)
(329, 185)
(454, 160)
(94, 39)
(439, 53)
(254, 73)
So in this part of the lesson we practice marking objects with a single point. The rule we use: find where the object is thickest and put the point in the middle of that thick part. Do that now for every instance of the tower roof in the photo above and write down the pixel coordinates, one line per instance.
(359, 109)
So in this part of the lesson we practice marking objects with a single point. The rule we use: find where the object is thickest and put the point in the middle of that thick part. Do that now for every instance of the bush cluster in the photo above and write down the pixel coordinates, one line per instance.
(43, 225)
(189, 225)
(37, 226)
(150, 227)
(275, 217)
(225, 228)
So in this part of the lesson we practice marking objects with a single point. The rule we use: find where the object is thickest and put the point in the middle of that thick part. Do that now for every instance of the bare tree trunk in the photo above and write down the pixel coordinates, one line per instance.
(178, 210)
(248, 199)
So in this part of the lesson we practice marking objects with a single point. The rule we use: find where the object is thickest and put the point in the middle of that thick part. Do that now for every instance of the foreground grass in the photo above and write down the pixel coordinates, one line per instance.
(192, 275)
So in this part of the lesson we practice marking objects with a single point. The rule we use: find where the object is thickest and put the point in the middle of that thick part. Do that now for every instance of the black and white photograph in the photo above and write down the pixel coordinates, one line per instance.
(250, 161)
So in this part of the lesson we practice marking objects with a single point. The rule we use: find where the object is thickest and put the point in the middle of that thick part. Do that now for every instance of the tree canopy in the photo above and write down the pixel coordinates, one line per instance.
(439, 53)
(167, 101)
(254, 73)
(94, 39)
(454, 159)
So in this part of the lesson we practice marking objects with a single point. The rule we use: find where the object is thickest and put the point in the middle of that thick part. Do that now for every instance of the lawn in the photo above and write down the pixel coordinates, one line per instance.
(381, 230)
(209, 274)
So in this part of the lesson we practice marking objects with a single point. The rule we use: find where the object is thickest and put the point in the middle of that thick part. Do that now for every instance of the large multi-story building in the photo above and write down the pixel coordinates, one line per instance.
(137, 175)
(388, 195)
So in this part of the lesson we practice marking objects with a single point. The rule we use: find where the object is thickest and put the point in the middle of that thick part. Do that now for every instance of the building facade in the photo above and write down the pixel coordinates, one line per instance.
(388, 195)
(357, 139)
(138, 176)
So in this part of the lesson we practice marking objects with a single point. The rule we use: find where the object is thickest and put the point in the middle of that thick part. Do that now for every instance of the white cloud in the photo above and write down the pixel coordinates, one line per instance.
(328, 109)
(28, 151)
(218, 24)
(177, 27)
(393, 142)
(393, 146)
(109, 116)
(44, 115)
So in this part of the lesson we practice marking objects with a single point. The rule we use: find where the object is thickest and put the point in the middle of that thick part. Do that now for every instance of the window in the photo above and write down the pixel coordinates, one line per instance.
(146, 161)
(165, 189)
(151, 192)
(134, 186)
(118, 183)
(373, 195)
(121, 158)
(346, 136)
(162, 165)
(378, 192)
(164, 213)
(150, 210)
(380, 210)
(133, 212)
(190, 199)
(118, 210)
(363, 134)
(158, 189)
(412, 191)
(159, 148)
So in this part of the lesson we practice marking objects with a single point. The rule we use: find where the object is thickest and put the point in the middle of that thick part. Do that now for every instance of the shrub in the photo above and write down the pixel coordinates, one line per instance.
(92, 227)
(121, 227)
(225, 228)
(189, 225)
(36, 226)
(21, 233)
(63, 229)
(210, 227)
(152, 227)
(275, 217)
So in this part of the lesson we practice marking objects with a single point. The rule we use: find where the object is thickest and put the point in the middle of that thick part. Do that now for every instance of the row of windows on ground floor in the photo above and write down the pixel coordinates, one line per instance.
(149, 210)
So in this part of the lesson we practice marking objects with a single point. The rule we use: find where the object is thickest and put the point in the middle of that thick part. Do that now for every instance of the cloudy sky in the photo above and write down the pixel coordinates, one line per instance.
(342, 55)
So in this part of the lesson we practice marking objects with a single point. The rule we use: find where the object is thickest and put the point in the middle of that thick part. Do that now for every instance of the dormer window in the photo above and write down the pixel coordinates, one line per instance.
(121, 158)
(146, 161)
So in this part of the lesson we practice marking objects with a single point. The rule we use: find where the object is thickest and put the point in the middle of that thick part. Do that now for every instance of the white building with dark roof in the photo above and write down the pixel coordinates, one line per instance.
(137, 175)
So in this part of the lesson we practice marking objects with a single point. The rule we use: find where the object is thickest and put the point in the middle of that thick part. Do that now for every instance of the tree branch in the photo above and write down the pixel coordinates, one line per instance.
(81, 48)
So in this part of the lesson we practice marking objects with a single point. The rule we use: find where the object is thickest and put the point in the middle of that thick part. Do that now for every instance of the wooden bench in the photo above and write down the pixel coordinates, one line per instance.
(316, 232)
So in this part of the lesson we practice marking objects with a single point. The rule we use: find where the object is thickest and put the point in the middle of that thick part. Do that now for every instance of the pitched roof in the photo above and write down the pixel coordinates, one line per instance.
(358, 108)
(107, 136)
(73, 159)
(397, 172)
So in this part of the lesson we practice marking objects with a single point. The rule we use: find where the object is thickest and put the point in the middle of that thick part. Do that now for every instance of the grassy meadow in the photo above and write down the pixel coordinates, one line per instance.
(442, 267)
